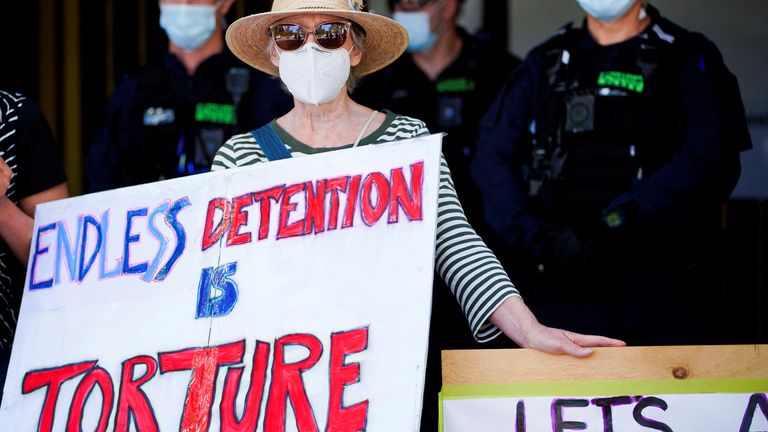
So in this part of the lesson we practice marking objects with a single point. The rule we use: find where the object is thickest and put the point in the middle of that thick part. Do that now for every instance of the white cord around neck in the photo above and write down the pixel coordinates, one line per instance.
(365, 128)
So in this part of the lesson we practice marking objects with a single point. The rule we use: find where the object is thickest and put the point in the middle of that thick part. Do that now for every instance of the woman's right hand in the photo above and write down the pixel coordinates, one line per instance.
(517, 322)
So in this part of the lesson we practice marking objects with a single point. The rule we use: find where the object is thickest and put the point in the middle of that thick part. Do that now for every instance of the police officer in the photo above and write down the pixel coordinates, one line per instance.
(605, 163)
(168, 121)
(448, 78)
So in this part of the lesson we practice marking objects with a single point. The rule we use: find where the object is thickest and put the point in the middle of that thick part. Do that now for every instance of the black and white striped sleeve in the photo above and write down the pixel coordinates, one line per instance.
(466, 264)
(462, 259)
(240, 150)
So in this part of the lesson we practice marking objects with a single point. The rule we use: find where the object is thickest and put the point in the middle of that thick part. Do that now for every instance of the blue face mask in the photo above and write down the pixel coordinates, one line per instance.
(420, 37)
(188, 26)
(606, 10)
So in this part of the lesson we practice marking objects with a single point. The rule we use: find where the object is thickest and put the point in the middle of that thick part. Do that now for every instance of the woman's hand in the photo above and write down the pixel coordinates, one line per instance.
(517, 322)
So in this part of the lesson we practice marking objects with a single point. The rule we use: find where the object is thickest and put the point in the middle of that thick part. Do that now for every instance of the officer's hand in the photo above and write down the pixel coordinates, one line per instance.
(566, 252)
(517, 322)
(5, 178)
(619, 236)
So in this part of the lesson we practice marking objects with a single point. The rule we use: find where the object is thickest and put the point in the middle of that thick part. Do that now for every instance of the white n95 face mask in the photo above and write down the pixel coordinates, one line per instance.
(314, 75)
(606, 10)
(188, 26)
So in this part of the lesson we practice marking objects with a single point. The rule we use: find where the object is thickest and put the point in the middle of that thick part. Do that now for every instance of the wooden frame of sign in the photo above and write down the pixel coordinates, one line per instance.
(643, 388)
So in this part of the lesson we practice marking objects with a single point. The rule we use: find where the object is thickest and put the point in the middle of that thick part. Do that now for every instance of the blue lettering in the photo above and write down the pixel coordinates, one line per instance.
(127, 268)
(181, 236)
(82, 267)
(69, 252)
(160, 237)
(46, 283)
(76, 253)
(103, 272)
(215, 281)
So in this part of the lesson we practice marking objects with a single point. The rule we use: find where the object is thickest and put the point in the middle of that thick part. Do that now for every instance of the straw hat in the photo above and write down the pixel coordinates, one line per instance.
(385, 39)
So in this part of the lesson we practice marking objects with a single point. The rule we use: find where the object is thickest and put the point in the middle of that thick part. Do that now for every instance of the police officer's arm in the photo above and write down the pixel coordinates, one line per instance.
(705, 171)
(504, 132)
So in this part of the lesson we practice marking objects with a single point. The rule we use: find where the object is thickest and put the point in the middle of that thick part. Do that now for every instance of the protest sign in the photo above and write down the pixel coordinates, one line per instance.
(701, 389)
(293, 295)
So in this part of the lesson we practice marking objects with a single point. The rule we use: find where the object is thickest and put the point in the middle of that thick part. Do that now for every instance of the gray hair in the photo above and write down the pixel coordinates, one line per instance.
(358, 37)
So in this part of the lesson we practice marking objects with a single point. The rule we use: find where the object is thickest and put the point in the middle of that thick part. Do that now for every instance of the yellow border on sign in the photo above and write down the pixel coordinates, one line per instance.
(702, 369)
(604, 388)
(598, 388)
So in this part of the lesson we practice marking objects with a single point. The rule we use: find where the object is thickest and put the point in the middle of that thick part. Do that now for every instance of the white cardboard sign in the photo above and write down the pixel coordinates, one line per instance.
(713, 412)
(293, 295)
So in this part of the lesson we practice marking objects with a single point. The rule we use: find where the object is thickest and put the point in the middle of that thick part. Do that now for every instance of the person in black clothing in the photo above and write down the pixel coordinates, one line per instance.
(168, 121)
(605, 163)
(448, 78)
(30, 174)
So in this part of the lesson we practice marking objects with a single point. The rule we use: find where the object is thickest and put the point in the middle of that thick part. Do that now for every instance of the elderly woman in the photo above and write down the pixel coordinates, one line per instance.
(319, 49)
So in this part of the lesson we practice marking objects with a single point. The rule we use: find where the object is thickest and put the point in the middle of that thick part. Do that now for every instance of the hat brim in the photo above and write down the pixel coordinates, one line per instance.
(385, 40)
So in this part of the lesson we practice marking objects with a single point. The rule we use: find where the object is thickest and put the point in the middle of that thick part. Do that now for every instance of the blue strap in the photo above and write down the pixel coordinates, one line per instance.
(270, 143)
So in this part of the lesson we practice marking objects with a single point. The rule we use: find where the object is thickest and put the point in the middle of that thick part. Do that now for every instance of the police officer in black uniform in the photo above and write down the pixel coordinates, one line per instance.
(168, 121)
(605, 163)
(448, 78)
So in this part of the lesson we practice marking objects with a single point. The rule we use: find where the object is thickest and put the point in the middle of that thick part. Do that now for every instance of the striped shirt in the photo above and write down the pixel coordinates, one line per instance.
(464, 262)
(9, 270)
(27, 146)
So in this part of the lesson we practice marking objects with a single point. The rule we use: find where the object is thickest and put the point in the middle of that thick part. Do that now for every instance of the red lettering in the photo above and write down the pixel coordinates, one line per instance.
(251, 410)
(401, 197)
(287, 383)
(204, 363)
(212, 235)
(334, 186)
(132, 401)
(372, 213)
(352, 193)
(284, 229)
(97, 376)
(265, 207)
(134, 410)
(352, 418)
(228, 217)
(315, 221)
(52, 379)
(239, 218)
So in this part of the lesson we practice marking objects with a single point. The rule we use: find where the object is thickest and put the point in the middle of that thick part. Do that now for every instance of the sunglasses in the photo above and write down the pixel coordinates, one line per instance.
(290, 37)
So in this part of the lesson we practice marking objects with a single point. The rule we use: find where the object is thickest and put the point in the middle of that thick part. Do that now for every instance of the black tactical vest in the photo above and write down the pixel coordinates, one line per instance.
(183, 123)
(604, 117)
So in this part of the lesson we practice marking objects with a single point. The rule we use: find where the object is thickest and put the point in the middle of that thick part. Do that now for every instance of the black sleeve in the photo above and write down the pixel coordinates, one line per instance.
(265, 101)
(373, 91)
(502, 142)
(105, 162)
(39, 166)
(701, 176)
